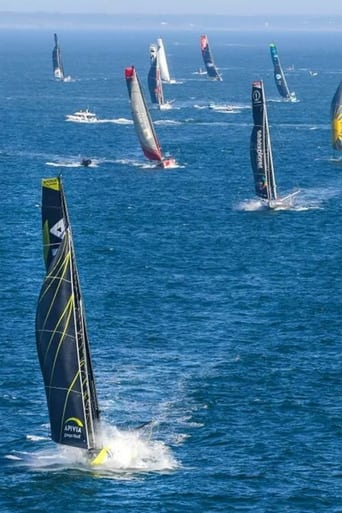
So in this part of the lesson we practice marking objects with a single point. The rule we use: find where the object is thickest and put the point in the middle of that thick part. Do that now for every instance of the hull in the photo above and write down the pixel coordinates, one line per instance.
(260, 147)
(208, 60)
(279, 76)
(336, 119)
(61, 334)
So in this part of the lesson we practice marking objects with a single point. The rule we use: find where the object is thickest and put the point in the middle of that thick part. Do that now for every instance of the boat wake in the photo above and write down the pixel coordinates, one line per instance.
(259, 205)
(308, 200)
(130, 452)
(99, 121)
(72, 163)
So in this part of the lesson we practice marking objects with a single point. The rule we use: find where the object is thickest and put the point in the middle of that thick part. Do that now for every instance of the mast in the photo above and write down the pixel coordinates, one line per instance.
(61, 333)
(208, 59)
(336, 119)
(141, 117)
(260, 146)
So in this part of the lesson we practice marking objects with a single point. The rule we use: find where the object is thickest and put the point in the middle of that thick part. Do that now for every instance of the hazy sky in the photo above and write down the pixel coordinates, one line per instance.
(233, 7)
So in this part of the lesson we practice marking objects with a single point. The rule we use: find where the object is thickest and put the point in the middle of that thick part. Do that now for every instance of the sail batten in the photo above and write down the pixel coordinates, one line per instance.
(208, 59)
(61, 334)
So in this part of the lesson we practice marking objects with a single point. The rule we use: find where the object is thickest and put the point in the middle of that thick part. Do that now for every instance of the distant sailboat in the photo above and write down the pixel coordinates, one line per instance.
(336, 119)
(279, 76)
(155, 84)
(261, 153)
(208, 60)
(143, 122)
(61, 333)
(57, 63)
(163, 64)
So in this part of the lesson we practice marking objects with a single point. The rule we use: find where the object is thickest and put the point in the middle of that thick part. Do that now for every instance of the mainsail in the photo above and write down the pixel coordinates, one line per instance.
(210, 66)
(279, 75)
(164, 67)
(261, 153)
(57, 63)
(61, 333)
(142, 120)
(260, 146)
(155, 85)
(336, 119)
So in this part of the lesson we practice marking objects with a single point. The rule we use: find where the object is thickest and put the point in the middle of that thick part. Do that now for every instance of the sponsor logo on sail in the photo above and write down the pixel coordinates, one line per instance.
(58, 229)
(256, 96)
(259, 150)
(73, 428)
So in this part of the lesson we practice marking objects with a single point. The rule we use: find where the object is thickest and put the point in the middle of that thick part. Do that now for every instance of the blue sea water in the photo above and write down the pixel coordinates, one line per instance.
(212, 318)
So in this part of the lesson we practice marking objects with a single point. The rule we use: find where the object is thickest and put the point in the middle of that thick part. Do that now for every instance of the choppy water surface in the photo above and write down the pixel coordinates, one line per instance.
(211, 319)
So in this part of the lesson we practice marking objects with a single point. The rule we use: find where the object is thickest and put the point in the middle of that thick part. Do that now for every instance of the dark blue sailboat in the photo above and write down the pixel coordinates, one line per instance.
(279, 76)
(155, 84)
(208, 60)
(61, 334)
(261, 153)
(57, 64)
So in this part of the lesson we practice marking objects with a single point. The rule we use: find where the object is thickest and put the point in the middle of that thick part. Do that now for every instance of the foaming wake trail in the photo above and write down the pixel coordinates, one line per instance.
(136, 451)
(130, 452)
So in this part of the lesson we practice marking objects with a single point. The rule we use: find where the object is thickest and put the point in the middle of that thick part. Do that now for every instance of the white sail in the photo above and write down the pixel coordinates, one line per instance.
(164, 68)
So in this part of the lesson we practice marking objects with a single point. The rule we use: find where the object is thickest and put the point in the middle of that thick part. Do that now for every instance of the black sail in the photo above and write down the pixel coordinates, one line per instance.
(57, 63)
(61, 334)
(260, 146)
(208, 59)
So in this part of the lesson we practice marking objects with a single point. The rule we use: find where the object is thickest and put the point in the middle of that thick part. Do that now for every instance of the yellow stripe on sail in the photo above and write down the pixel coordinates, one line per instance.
(337, 129)
(51, 183)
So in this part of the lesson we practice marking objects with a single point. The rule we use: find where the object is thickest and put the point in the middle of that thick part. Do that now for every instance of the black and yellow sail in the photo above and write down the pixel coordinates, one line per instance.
(336, 119)
(62, 341)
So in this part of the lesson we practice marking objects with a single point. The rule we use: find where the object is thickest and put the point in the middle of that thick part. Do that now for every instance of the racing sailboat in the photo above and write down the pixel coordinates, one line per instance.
(57, 64)
(61, 334)
(143, 122)
(155, 84)
(208, 60)
(261, 153)
(336, 120)
(279, 76)
(163, 64)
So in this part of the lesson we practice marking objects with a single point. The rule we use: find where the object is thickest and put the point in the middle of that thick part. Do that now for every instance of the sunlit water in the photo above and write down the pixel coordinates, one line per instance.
(214, 323)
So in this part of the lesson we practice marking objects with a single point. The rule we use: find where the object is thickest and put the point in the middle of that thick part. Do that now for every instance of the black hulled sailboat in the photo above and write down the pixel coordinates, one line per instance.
(61, 334)
(279, 76)
(261, 153)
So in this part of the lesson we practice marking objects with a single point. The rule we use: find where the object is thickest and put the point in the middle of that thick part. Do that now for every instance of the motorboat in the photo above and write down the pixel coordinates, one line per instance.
(82, 116)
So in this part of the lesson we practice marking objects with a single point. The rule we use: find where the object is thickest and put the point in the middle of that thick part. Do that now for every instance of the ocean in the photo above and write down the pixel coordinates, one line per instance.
(214, 324)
